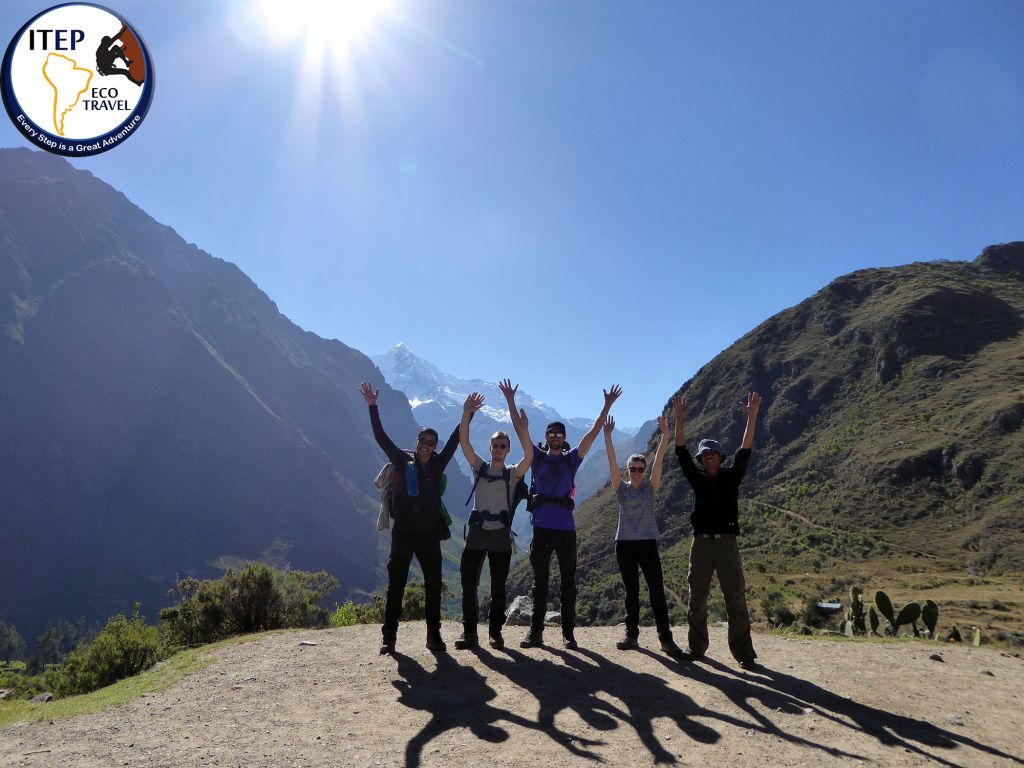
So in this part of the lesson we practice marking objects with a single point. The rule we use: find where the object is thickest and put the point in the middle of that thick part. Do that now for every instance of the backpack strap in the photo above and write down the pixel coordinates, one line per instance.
(482, 472)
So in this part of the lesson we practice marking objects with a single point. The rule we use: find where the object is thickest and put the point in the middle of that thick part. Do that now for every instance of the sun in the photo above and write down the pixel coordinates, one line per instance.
(331, 24)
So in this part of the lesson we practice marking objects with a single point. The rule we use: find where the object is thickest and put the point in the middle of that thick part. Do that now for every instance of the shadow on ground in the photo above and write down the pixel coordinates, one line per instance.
(607, 696)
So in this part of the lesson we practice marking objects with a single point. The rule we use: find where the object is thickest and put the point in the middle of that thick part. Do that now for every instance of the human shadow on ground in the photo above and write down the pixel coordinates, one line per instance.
(603, 694)
(457, 696)
(779, 691)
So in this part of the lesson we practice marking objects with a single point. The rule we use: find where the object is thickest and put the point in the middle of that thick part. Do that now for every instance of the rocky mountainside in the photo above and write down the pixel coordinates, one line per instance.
(159, 416)
(890, 451)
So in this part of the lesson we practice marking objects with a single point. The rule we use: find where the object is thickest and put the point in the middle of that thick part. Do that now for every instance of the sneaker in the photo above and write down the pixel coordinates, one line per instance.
(387, 647)
(532, 640)
(668, 646)
(434, 641)
(570, 640)
(496, 640)
(466, 642)
(627, 643)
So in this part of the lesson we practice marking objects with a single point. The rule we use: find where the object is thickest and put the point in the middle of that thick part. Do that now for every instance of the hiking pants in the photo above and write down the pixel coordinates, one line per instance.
(718, 555)
(428, 553)
(633, 557)
(548, 541)
(470, 567)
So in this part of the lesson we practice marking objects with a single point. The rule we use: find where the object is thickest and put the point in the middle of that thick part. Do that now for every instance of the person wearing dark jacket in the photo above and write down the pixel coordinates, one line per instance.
(419, 523)
(715, 522)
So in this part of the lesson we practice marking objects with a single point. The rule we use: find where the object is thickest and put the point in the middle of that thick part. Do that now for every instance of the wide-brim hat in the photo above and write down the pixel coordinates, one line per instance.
(708, 446)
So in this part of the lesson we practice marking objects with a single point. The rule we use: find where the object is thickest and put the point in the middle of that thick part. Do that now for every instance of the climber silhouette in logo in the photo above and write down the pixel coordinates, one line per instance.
(114, 49)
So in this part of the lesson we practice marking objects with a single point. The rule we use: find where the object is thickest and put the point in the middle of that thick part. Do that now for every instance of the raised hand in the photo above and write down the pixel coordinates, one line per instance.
(663, 425)
(680, 406)
(473, 403)
(369, 393)
(752, 404)
(609, 424)
(611, 395)
(505, 385)
(524, 421)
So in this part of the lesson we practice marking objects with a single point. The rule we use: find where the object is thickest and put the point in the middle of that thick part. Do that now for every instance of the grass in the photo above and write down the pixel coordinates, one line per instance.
(161, 676)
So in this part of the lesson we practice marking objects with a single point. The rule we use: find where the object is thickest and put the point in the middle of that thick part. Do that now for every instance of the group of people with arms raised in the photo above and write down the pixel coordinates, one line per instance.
(420, 525)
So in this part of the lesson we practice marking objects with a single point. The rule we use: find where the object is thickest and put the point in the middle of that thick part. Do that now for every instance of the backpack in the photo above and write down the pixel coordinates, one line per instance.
(534, 497)
(391, 486)
(514, 496)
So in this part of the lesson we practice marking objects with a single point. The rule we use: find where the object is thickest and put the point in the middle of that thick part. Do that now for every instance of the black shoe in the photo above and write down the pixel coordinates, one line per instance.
(434, 641)
(570, 640)
(466, 642)
(496, 640)
(689, 654)
(668, 646)
(387, 647)
(751, 665)
(627, 643)
(534, 639)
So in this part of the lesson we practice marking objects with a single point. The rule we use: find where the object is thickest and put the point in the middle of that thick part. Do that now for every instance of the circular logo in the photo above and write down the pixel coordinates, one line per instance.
(77, 80)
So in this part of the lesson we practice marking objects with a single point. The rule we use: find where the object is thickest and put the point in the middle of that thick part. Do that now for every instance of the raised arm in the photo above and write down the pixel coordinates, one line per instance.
(395, 454)
(610, 396)
(750, 407)
(520, 423)
(473, 404)
(659, 455)
(613, 463)
(679, 408)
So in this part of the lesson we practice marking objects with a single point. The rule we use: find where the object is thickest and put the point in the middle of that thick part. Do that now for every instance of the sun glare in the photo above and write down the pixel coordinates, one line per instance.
(334, 24)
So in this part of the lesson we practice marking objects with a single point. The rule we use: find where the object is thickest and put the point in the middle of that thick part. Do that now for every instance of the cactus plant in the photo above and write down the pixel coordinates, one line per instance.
(930, 617)
(884, 605)
(908, 614)
(856, 613)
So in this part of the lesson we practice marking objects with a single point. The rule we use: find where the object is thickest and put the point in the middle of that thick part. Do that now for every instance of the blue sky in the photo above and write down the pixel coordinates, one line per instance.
(574, 193)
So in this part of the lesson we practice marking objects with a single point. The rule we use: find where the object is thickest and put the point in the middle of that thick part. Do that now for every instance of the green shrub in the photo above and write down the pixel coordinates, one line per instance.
(255, 599)
(351, 613)
(122, 648)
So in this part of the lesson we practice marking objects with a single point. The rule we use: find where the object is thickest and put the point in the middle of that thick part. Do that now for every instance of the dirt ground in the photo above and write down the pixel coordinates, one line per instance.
(273, 702)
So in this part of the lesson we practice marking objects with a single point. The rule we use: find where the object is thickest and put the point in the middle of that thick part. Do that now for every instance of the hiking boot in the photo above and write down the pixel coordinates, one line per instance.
(570, 640)
(627, 643)
(535, 639)
(751, 665)
(668, 646)
(496, 640)
(434, 641)
(387, 647)
(466, 642)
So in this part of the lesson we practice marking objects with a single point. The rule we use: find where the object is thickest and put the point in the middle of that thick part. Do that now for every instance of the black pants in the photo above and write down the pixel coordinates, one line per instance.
(633, 557)
(428, 552)
(470, 568)
(563, 545)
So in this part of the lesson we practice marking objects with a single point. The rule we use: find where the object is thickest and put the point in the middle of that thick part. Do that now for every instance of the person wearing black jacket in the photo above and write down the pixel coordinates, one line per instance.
(715, 522)
(419, 523)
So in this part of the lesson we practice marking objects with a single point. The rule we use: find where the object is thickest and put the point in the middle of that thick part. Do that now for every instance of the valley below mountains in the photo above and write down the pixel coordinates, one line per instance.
(160, 418)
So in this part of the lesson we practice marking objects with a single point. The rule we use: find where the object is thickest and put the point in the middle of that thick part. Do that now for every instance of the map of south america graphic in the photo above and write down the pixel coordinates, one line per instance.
(69, 81)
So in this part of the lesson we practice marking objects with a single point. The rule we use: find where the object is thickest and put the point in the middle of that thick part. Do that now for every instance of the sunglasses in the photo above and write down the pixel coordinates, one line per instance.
(637, 469)
(426, 441)
(500, 446)
(555, 435)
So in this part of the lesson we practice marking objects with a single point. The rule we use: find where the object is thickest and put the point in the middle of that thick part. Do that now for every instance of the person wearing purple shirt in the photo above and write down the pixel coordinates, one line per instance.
(554, 528)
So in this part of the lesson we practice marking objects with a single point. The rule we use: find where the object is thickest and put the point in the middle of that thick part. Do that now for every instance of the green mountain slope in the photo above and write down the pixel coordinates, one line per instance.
(889, 454)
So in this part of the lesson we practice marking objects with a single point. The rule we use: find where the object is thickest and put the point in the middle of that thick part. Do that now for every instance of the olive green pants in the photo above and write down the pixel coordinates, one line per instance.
(721, 556)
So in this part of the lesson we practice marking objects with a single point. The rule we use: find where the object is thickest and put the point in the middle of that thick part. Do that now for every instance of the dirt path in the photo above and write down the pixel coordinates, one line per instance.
(273, 703)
